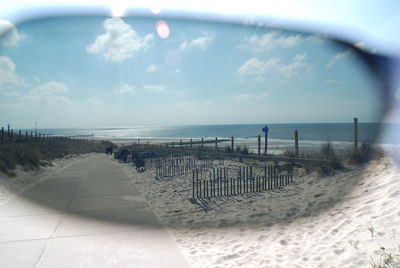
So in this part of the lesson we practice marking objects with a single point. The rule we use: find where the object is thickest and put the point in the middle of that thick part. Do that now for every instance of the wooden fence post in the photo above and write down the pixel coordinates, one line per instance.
(191, 143)
(259, 144)
(202, 142)
(233, 144)
(8, 131)
(296, 143)
(355, 133)
(181, 143)
(266, 143)
(216, 143)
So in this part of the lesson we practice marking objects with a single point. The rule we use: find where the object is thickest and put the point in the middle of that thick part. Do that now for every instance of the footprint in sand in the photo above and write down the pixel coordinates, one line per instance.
(283, 242)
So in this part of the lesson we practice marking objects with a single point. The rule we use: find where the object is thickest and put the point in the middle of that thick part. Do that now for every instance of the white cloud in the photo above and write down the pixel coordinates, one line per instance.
(256, 69)
(270, 41)
(155, 88)
(339, 56)
(297, 65)
(127, 89)
(248, 96)
(119, 42)
(151, 68)
(9, 79)
(51, 93)
(255, 66)
(244, 96)
(9, 35)
(10, 94)
(178, 70)
(94, 101)
(202, 42)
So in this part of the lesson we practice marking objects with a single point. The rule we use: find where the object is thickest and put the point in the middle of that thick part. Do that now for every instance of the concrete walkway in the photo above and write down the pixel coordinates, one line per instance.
(85, 215)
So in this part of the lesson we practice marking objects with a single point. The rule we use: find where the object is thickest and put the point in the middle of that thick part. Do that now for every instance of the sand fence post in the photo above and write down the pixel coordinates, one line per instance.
(232, 144)
(355, 133)
(296, 143)
(191, 144)
(216, 143)
(266, 143)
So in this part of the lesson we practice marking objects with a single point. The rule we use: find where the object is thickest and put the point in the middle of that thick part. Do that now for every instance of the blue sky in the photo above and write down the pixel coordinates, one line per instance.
(104, 72)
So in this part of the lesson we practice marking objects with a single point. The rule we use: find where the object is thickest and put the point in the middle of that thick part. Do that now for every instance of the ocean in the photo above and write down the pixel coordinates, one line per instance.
(280, 136)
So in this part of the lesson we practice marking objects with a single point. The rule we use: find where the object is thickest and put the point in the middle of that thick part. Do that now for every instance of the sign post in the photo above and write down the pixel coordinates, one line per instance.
(265, 130)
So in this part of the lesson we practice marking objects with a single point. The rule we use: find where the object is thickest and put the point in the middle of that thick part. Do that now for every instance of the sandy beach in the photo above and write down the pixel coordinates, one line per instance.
(342, 220)
(336, 221)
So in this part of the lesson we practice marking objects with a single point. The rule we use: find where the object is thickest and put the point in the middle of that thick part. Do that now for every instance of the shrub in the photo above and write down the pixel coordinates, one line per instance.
(365, 153)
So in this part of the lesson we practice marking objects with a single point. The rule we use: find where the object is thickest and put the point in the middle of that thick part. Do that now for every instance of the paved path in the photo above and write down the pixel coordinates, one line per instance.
(85, 215)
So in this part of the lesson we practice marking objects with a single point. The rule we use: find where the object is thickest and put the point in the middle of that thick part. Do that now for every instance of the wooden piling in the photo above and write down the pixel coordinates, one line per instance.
(216, 143)
(296, 143)
(355, 133)
(266, 143)
(259, 144)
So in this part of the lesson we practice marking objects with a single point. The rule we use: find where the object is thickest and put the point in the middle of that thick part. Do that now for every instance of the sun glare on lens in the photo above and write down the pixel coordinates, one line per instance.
(162, 29)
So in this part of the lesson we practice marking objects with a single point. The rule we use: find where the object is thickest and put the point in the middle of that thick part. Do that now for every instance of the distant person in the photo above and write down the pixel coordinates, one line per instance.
(109, 150)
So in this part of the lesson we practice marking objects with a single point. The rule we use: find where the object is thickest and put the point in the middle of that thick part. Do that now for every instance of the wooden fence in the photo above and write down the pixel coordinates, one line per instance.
(23, 136)
(176, 166)
(217, 182)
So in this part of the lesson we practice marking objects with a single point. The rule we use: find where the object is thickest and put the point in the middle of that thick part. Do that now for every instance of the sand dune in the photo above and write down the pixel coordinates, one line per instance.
(335, 221)
(26, 178)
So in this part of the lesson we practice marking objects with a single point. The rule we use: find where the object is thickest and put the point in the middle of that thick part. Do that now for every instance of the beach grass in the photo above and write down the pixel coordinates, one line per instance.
(339, 159)
(32, 155)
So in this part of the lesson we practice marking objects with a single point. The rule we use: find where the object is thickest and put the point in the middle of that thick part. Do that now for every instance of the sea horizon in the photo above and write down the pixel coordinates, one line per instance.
(321, 132)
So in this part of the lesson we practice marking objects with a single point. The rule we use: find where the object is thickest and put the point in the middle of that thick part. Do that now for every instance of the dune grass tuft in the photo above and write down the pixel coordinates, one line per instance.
(32, 155)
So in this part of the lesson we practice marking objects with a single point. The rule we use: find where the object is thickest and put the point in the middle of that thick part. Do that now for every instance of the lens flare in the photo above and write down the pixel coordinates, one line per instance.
(162, 29)
(155, 10)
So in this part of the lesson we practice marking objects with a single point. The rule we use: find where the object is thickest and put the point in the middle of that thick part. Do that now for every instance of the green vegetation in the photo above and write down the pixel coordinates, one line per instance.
(387, 259)
(33, 154)
(338, 159)
(242, 150)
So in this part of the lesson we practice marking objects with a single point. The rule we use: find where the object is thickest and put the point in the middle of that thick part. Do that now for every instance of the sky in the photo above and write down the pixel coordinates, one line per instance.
(108, 72)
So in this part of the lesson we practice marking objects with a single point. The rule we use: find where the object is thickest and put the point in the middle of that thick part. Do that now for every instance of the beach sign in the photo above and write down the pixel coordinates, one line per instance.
(265, 129)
